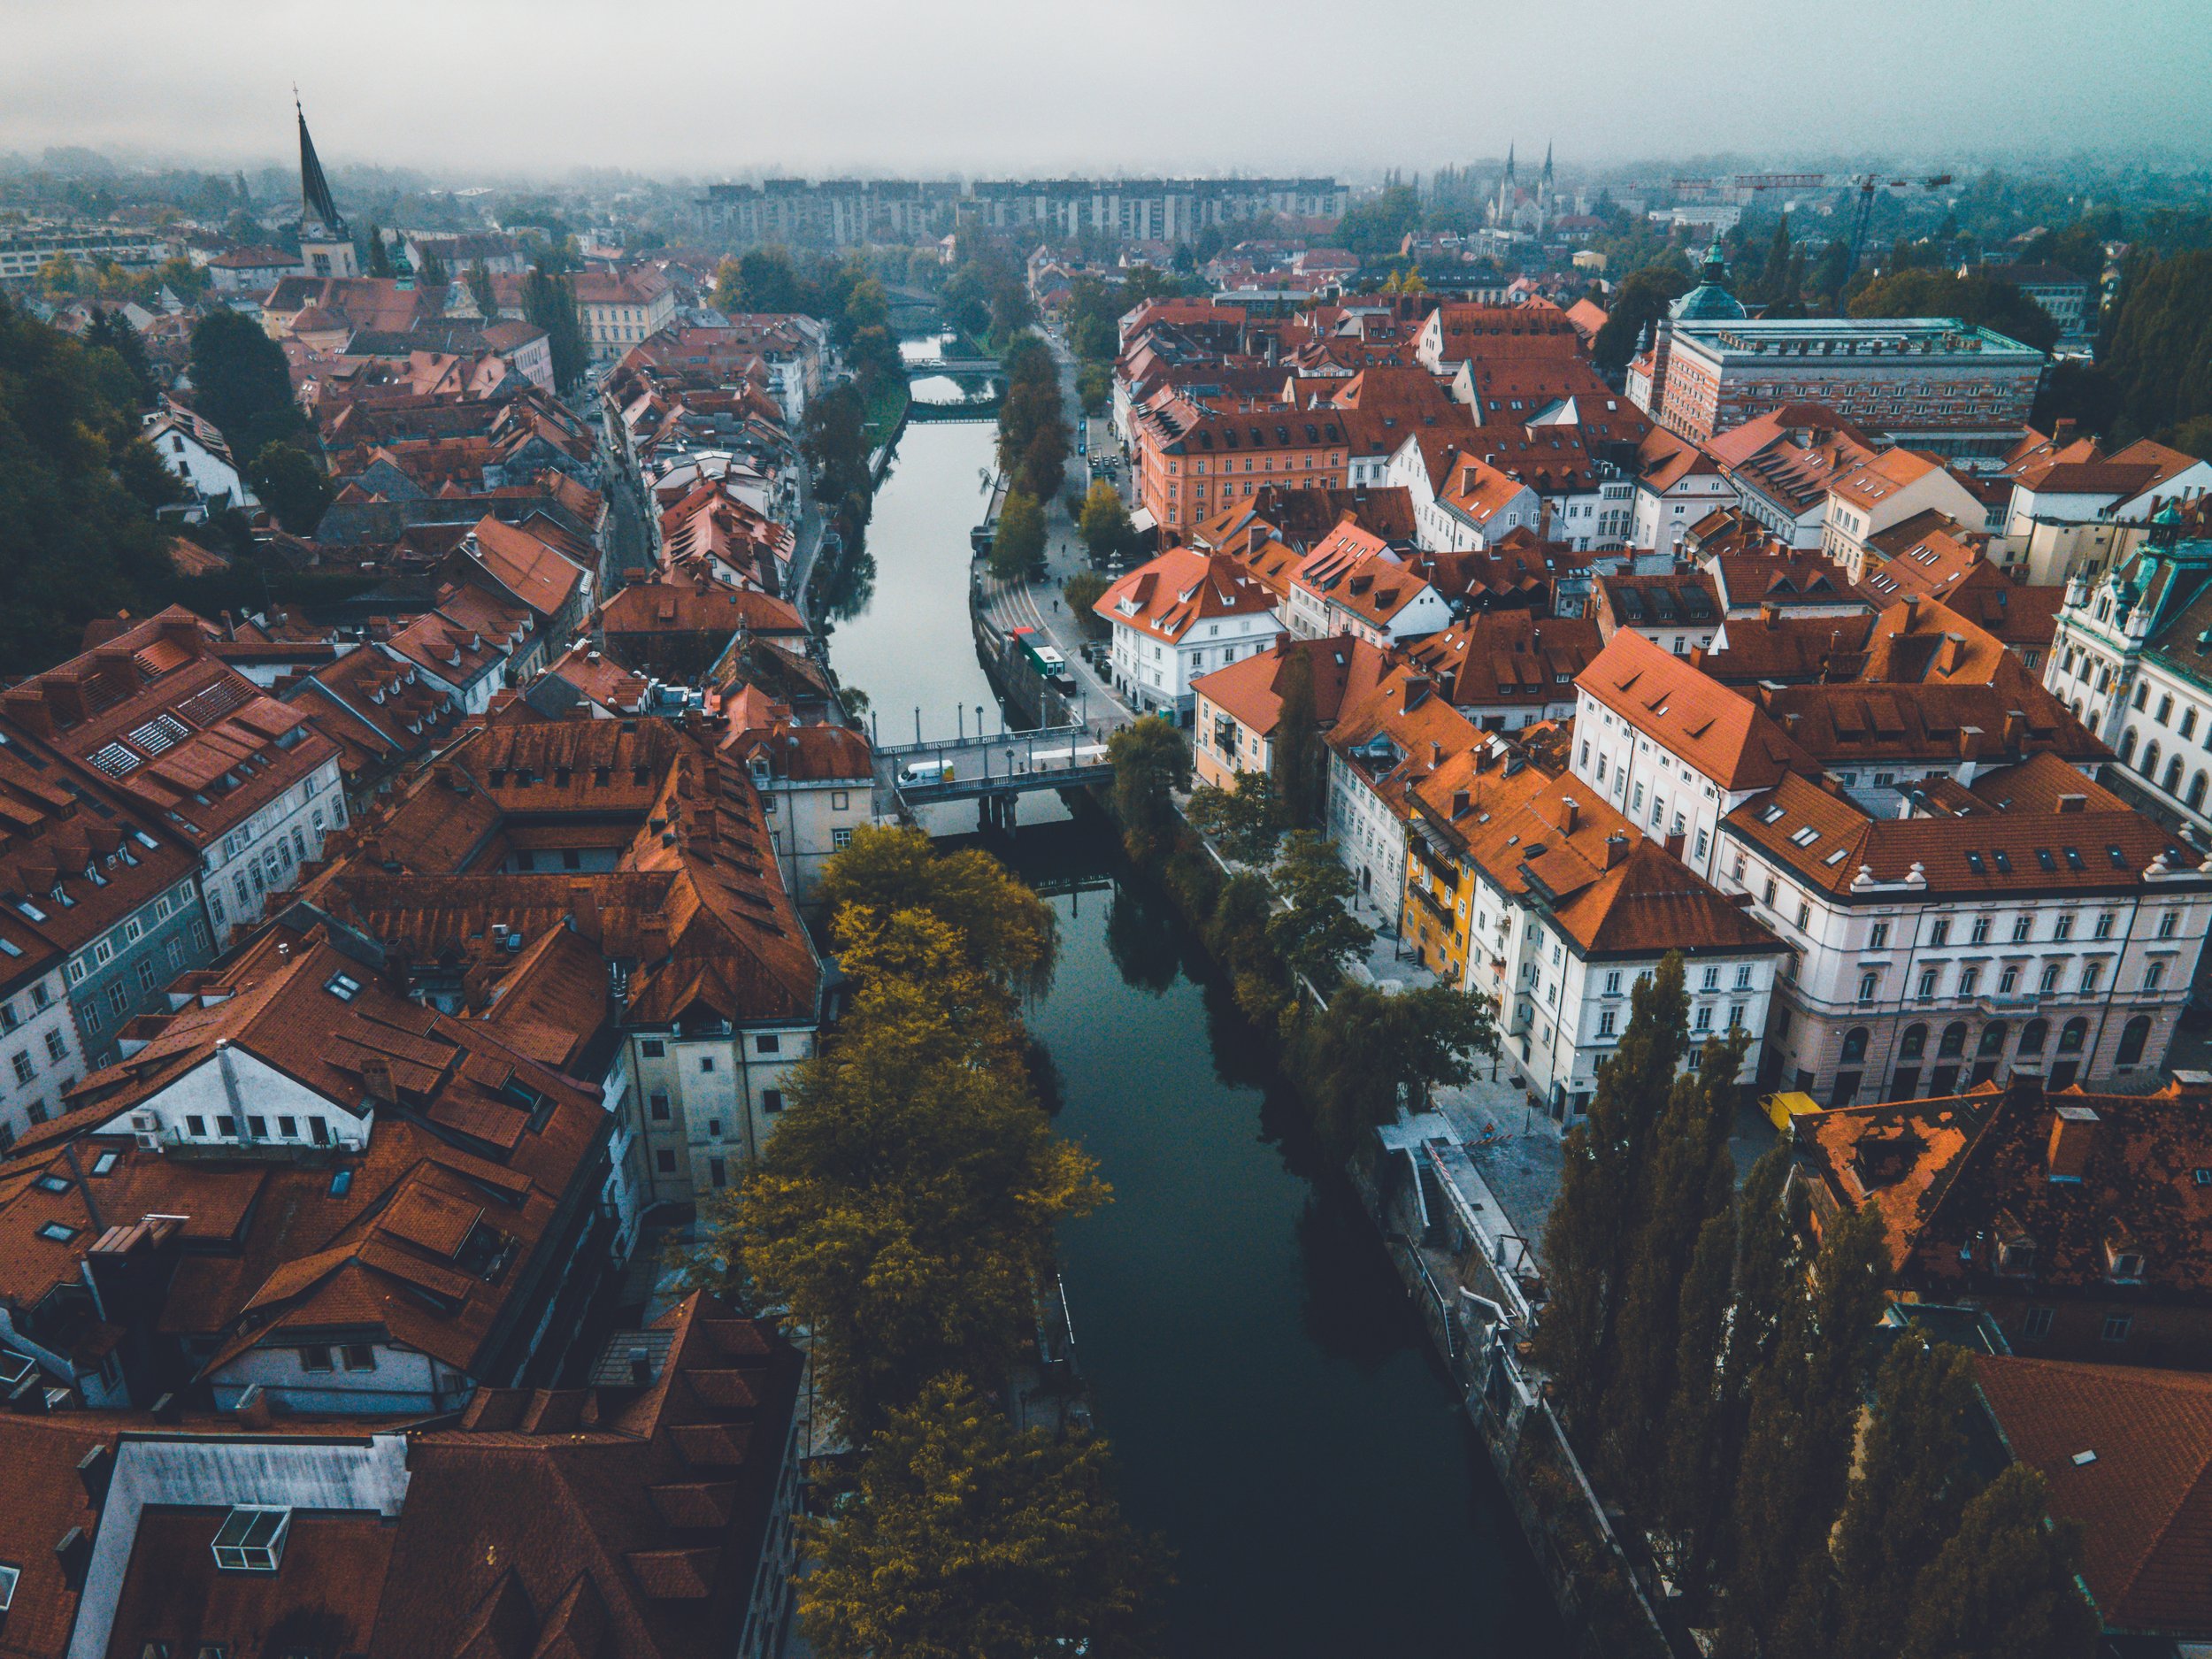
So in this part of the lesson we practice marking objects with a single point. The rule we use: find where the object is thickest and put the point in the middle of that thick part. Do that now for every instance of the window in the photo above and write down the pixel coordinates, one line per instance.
(653, 1048)
(1855, 1041)
(2154, 976)
(2091, 973)
(2117, 1326)
(358, 1356)
(2133, 1037)
(658, 1105)
(767, 1042)
(1954, 1043)
(665, 1163)
(706, 1063)
(2022, 927)
(1914, 1044)
(1804, 837)
(2007, 980)
(344, 987)
(2166, 924)
(2103, 929)
(317, 1358)
(1804, 916)
(24, 1069)
(58, 1232)
(718, 1172)
(1605, 1022)
(1970, 980)
(2036, 1325)
(1613, 984)
(1711, 981)
(2062, 926)
(1940, 935)
(1867, 982)
(2072, 1036)
(197, 1126)
(772, 1100)
(1979, 934)
(1879, 937)
(1704, 1021)
(252, 1537)
(1743, 976)
(8, 1575)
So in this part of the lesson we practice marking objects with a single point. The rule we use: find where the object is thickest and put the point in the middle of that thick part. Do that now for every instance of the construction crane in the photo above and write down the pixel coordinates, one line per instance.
(1863, 216)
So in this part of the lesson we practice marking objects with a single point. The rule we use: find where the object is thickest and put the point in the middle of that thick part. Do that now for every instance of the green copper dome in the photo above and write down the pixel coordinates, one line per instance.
(1709, 302)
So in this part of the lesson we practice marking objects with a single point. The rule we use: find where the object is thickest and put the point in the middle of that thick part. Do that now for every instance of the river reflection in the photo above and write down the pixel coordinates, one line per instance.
(1271, 1397)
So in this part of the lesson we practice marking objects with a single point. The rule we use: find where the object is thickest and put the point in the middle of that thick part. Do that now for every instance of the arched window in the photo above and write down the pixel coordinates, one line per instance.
(1992, 1042)
(2032, 1036)
(1914, 1044)
(1854, 1046)
(2196, 791)
(2173, 776)
(2133, 1035)
(2142, 693)
(2127, 746)
(1954, 1040)
(2071, 1035)
(2150, 761)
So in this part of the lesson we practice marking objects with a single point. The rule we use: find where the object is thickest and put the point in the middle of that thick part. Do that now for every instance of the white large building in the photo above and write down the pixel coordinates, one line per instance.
(1183, 614)
(2031, 923)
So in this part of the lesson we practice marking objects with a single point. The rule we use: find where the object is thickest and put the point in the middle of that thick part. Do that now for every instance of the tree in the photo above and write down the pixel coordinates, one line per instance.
(1803, 1410)
(1637, 303)
(1774, 273)
(109, 330)
(763, 280)
(1006, 931)
(77, 538)
(1105, 521)
(874, 357)
(1300, 762)
(1242, 821)
(904, 1210)
(548, 301)
(1094, 386)
(1018, 542)
(430, 272)
(290, 486)
(1150, 764)
(1082, 592)
(1977, 299)
(968, 1539)
(1911, 1486)
(1314, 934)
(2004, 1587)
(1379, 227)
(2158, 343)
(1373, 1051)
(1586, 1237)
(1687, 1179)
(241, 383)
(483, 293)
(379, 263)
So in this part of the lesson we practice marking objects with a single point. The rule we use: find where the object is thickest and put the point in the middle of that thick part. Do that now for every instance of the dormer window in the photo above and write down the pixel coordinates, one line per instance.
(2123, 1261)
(2018, 1257)
(251, 1539)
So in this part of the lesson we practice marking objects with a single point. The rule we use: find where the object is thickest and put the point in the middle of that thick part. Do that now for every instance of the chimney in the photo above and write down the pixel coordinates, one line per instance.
(26, 706)
(1615, 849)
(376, 1077)
(2072, 1128)
(1460, 799)
(73, 1555)
(1436, 753)
(1912, 611)
(2073, 803)
(583, 909)
(95, 1468)
(641, 1366)
(1769, 611)
(1570, 814)
(1674, 845)
(2015, 730)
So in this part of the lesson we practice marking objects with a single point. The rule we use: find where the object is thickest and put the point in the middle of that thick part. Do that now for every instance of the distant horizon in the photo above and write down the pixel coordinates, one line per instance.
(499, 89)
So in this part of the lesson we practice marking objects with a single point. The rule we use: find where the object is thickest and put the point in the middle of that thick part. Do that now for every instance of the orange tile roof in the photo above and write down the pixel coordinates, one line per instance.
(1249, 690)
(2144, 1498)
(1168, 596)
(1717, 731)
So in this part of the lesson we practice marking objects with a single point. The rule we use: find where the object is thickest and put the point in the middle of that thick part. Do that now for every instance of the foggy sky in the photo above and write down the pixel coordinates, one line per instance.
(730, 87)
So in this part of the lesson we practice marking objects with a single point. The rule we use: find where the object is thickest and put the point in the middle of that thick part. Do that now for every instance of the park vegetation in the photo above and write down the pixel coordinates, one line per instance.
(903, 1216)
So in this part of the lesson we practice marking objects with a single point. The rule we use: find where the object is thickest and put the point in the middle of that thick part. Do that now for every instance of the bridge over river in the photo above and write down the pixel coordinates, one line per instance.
(993, 771)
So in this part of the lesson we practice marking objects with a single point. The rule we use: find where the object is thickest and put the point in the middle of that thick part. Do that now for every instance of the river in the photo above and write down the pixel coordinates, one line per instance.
(1273, 1407)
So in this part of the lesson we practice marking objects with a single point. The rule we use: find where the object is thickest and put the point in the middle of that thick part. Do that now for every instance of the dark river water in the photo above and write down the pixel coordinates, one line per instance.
(1273, 1407)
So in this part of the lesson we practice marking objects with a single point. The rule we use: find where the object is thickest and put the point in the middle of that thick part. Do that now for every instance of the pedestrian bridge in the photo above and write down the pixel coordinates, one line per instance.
(995, 768)
(921, 367)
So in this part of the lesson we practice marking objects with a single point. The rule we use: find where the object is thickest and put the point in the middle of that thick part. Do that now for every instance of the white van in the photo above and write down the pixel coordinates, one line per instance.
(926, 772)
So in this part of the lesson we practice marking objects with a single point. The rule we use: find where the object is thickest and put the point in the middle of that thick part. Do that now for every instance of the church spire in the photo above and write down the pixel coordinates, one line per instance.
(315, 197)
(1547, 165)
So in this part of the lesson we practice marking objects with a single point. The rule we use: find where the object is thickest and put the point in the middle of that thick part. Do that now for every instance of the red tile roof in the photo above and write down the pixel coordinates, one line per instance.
(1168, 596)
(1719, 732)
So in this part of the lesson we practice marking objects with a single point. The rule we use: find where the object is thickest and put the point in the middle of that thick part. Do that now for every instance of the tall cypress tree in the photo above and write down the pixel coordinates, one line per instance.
(1298, 758)
(1687, 1179)
(1691, 1505)
(1803, 1411)
(1774, 274)
(2005, 1584)
(1586, 1239)
(1910, 1487)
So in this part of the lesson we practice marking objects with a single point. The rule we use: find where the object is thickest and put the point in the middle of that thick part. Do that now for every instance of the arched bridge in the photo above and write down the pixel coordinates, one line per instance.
(921, 366)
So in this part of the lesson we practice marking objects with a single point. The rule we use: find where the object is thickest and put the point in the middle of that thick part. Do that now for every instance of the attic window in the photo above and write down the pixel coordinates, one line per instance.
(8, 1575)
(1804, 837)
(2204, 1177)
(52, 1184)
(30, 910)
(1978, 864)
(2073, 859)
(58, 1232)
(1772, 815)
(2004, 861)
(251, 1539)
(105, 1161)
(2043, 857)
(1835, 857)
(344, 987)
(115, 760)
(2119, 859)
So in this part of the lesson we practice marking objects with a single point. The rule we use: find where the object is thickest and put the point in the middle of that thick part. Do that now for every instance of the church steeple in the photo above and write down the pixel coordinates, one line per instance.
(325, 244)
